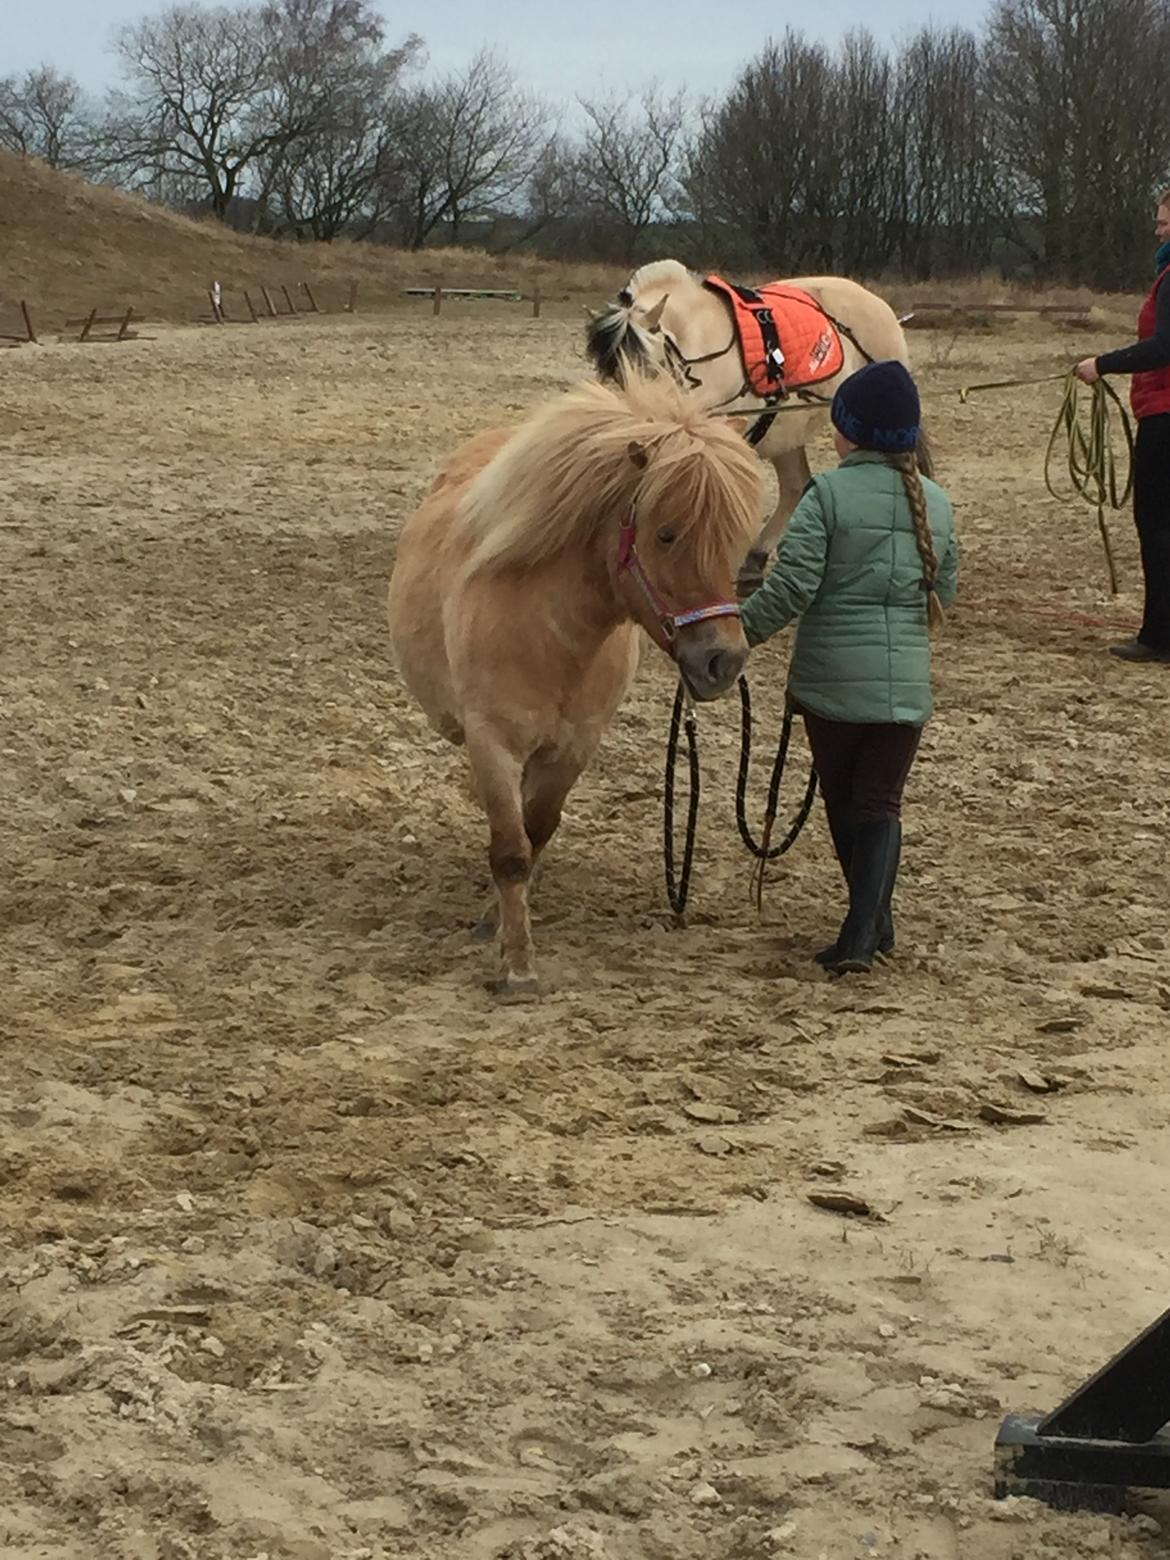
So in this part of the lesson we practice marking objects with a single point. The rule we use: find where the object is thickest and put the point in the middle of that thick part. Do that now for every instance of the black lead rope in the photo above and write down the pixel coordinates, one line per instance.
(678, 886)
(678, 883)
(763, 849)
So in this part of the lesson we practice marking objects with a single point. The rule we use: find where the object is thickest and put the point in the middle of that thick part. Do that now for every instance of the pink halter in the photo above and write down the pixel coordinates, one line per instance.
(666, 624)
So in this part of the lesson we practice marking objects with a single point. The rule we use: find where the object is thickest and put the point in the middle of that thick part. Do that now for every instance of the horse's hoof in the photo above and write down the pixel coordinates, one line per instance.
(515, 988)
(484, 931)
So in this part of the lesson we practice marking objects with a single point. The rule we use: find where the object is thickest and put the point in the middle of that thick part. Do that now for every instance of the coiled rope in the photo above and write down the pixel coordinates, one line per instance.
(1090, 461)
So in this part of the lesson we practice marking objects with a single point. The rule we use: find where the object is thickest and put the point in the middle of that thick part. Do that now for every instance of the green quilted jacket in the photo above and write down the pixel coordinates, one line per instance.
(848, 567)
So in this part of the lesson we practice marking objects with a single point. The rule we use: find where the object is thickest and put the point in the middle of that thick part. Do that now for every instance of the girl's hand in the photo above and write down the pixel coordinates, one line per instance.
(1086, 371)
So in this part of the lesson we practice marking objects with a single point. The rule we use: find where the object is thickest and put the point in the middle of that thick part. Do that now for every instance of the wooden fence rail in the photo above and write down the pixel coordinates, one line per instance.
(437, 292)
(93, 319)
(1060, 313)
(12, 339)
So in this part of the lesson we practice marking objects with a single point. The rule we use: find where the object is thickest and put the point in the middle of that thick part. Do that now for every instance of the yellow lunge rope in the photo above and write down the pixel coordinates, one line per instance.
(1090, 461)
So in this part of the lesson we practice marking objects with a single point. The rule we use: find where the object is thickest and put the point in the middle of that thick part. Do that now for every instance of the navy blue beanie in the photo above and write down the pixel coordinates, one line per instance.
(877, 408)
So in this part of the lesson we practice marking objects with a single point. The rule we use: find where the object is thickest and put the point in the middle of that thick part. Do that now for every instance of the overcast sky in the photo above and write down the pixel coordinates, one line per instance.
(560, 48)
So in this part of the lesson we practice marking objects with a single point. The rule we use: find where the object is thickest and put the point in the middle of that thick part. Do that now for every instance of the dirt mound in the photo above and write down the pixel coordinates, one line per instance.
(69, 245)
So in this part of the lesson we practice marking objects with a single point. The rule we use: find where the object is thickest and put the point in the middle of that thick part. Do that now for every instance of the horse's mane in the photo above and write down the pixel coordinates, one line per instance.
(615, 344)
(567, 473)
(657, 273)
(614, 340)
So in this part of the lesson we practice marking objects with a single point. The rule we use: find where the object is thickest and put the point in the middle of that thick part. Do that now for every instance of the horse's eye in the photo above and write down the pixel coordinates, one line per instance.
(667, 535)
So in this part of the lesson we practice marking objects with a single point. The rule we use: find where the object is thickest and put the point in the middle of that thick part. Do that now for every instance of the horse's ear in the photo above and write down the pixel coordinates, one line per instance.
(654, 315)
(637, 453)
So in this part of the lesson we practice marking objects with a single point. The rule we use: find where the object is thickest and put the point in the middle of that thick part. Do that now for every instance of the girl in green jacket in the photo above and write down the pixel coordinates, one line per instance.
(868, 562)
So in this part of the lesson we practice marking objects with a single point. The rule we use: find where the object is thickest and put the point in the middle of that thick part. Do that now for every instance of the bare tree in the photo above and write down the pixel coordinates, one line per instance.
(329, 108)
(491, 133)
(411, 188)
(629, 169)
(199, 78)
(944, 179)
(854, 161)
(1081, 152)
(473, 140)
(329, 182)
(1040, 132)
(865, 141)
(43, 114)
(553, 205)
(765, 164)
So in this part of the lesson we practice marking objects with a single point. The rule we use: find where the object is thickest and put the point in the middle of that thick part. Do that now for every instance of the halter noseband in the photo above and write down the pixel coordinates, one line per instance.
(665, 624)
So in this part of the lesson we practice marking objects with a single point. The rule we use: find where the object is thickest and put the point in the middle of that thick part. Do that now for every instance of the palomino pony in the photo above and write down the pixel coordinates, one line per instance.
(525, 577)
(669, 317)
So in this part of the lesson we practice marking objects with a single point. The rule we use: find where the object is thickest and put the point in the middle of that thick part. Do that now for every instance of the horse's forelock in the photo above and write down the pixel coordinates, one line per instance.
(706, 482)
(567, 471)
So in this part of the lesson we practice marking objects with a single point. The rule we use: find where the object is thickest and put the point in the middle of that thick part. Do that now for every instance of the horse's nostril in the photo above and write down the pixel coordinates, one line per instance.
(722, 666)
(709, 673)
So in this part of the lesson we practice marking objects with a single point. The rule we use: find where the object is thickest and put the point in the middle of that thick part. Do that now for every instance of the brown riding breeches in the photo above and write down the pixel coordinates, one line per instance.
(862, 769)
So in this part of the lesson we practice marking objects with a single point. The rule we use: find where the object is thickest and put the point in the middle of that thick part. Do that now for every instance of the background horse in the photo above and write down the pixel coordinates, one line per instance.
(668, 317)
(521, 582)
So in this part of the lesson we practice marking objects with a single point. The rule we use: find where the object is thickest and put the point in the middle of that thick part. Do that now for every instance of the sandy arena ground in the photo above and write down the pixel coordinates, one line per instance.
(312, 1252)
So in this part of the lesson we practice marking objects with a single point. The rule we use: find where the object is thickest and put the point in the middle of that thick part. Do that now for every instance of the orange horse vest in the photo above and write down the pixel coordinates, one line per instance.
(786, 339)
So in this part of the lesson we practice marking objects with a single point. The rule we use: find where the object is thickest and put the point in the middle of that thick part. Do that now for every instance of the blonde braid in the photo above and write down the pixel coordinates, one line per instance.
(907, 463)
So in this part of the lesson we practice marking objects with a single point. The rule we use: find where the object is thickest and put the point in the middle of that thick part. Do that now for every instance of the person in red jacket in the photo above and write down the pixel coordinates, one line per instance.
(1148, 360)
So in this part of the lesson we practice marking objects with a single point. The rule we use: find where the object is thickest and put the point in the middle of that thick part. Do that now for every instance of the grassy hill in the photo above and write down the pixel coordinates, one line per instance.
(66, 246)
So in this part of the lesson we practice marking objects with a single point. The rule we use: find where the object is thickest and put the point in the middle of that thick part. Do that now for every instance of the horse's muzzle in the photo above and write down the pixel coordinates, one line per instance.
(710, 670)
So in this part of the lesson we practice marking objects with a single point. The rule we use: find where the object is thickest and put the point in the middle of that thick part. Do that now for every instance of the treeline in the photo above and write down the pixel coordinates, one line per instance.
(1035, 147)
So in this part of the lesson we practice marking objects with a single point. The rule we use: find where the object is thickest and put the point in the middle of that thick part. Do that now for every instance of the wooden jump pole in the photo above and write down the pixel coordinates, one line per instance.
(536, 302)
(438, 297)
(122, 321)
(271, 306)
(28, 324)
(351, 306)
(292, 308)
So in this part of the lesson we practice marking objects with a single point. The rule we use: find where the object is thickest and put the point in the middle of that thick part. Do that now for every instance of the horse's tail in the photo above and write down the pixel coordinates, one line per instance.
(614, 344)
(925, 452)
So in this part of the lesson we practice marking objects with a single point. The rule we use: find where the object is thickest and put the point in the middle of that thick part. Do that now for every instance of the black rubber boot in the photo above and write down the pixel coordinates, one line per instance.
(886, 943)
(842, 834)
(841, 831)
(877, 846)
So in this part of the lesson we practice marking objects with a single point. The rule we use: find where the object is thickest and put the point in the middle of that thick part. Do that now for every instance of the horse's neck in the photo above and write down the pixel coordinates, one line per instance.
(580, 599)
(702, 326)
(698, 319)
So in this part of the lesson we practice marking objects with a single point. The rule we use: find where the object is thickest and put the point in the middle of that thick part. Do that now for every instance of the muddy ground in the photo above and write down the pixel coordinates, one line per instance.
(310, 1250)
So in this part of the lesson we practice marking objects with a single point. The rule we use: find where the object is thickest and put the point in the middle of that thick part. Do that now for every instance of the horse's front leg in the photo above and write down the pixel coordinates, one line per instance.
(546, 784)
(488, 925)
(499, 776)
(792, 474)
